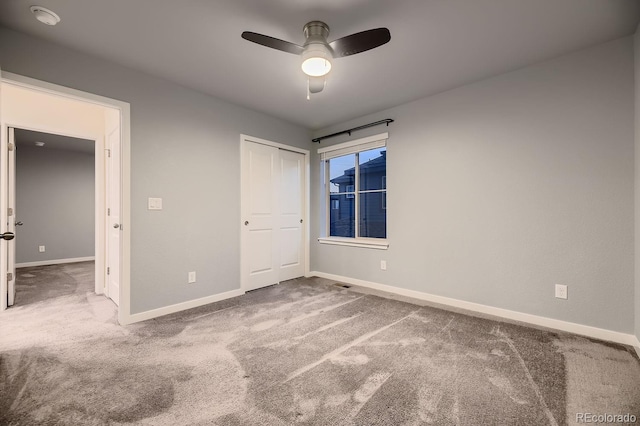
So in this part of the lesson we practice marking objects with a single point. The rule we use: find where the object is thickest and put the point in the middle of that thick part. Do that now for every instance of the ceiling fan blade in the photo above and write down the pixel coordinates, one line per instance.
(273, 43)
(360, 42)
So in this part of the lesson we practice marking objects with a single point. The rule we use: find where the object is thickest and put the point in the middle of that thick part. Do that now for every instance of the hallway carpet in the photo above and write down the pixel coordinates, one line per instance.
(302, 352)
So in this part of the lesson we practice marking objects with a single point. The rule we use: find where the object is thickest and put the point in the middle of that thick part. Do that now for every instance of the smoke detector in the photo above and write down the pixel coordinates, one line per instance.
(38, 143)
(45, 15)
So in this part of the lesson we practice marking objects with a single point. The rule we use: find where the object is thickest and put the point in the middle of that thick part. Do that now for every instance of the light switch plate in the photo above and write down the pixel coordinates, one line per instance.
(155, 204)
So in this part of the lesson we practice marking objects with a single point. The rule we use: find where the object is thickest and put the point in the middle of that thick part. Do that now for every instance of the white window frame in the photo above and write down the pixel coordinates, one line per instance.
(339, 150)
(384, 198)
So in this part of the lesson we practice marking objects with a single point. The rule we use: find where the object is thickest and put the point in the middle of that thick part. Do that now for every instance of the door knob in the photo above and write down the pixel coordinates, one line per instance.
(19, 223)
(7, 236)
(300, 220)
(116, 225)
(246, 222)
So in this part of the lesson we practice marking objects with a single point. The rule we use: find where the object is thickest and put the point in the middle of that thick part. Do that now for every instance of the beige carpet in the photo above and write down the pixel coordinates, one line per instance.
(303, 352)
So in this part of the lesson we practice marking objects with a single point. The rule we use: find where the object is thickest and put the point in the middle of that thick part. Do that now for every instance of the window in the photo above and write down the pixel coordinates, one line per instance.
(350, 191)
(355, 179)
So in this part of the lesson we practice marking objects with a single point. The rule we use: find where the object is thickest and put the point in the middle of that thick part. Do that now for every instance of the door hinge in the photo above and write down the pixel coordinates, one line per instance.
(108, 153)
(11, 147)
(108, 270)
(10, 211)
(108, 212)
(9, 276)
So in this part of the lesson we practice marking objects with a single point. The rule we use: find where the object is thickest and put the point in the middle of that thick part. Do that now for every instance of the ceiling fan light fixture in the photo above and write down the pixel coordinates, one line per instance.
(316, 60)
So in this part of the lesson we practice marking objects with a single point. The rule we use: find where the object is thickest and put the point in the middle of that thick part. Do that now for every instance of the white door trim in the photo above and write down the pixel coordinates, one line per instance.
(307, 199)
(124, 311)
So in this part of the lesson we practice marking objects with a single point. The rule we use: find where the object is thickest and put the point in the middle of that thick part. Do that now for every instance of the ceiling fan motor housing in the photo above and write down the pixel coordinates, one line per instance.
(316, 31)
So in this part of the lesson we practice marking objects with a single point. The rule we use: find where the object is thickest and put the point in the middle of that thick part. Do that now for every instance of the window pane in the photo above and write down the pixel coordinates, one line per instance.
(373, 169)
(342, 220)
(373, 215)
(342, 173)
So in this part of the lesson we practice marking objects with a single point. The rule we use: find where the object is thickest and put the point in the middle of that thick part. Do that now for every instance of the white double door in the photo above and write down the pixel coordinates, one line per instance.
(273, 195)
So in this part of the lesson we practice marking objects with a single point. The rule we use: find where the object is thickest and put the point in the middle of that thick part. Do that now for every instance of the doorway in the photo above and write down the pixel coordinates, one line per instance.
(274, 206)
(54, 209)
(39, 106)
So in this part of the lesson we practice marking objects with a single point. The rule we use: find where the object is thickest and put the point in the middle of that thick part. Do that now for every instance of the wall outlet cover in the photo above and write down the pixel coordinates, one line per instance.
(562, 291)
(192, 277)
(41, 249)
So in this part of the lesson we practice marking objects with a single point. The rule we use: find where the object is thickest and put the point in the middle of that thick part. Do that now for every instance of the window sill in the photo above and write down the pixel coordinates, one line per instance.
(353, 242)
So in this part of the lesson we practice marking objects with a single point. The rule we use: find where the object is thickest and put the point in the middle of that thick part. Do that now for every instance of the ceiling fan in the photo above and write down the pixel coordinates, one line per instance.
(317, 53)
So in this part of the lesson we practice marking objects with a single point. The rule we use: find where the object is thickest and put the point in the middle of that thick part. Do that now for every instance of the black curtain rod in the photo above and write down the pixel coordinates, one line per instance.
(366, 126)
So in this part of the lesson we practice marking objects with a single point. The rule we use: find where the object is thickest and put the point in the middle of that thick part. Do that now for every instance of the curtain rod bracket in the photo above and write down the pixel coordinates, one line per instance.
(386, 121)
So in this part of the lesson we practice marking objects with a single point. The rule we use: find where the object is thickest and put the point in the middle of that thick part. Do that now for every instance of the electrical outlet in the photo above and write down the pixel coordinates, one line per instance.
(383, 265)
(192, 277)
(561, 291)
(41, 249)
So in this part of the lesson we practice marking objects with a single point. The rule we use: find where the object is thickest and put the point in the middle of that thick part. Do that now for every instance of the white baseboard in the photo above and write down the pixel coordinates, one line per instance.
(637, 346)
(584, 330)
(55, 261)
(154, 313)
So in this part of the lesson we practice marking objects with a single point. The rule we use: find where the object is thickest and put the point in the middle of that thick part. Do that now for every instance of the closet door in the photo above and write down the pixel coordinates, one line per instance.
(260, 204)
(273, 193)
(291, 215)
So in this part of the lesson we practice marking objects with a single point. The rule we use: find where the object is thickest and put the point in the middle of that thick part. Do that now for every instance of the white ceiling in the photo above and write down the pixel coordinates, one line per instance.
(28, 138)
(435, 44)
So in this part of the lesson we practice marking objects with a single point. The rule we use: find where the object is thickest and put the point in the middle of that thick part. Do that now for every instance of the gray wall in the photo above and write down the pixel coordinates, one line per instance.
(500, 189)
(55, 200)
(185, 148)
(637, 178)
(497, 190)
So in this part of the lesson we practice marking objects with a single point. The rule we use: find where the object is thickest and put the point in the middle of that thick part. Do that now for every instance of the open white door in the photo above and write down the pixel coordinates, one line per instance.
(11, 215)
(7, 222)
(113, 214)
(4, 202)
